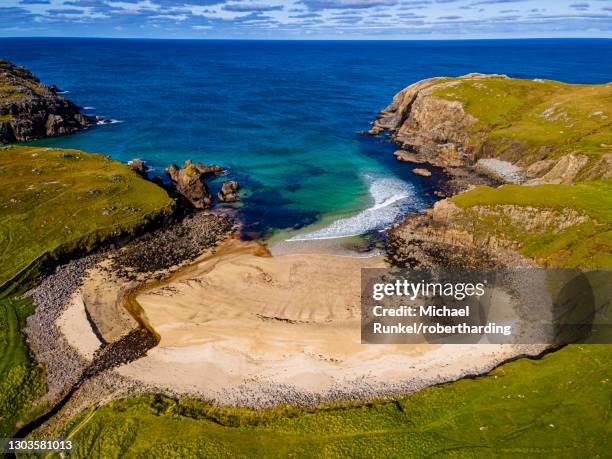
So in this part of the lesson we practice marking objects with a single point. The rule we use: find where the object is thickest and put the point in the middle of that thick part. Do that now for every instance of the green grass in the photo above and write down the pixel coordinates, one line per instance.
(22, 382)
(587, 244)
(17, 84)
(60, 201)
(54, 202)
(559, 406)
(531, 120)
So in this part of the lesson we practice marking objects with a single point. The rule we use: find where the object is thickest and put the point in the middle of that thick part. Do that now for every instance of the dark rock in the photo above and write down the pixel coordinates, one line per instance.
(30, 110)
(102, 120)
(229, 191)
(54, 89)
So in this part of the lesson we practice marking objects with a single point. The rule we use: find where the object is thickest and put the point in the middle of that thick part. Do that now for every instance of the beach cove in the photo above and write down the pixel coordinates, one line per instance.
(256, 305)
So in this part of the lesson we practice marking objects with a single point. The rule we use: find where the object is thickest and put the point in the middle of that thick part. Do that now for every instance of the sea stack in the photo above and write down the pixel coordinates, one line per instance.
(229, 191)
(189, 183)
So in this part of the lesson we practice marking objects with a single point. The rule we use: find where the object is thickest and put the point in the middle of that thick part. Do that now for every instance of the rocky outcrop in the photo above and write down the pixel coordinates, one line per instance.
(139, 166)
(563, 171)
(229, 191)
(211, 170)
(189, 184)
(437, 130)
(421, 171)
(406, 157)
(475, 237)
(527, 132)
(30, 110)
(508, 130)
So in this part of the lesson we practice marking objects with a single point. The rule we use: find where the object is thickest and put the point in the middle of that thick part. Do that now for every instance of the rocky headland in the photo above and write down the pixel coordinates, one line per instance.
(538, 131)
(31, 110)
(548, 144)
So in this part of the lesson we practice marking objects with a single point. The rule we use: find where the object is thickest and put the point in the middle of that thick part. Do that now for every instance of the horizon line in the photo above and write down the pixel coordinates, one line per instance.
(303, 39)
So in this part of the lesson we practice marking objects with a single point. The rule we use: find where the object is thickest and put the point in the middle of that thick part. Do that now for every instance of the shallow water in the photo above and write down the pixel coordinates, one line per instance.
(283, 116)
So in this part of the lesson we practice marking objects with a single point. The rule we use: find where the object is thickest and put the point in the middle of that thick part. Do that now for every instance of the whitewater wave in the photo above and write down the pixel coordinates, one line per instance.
(108, 121)
(392, 198)
(89, 108)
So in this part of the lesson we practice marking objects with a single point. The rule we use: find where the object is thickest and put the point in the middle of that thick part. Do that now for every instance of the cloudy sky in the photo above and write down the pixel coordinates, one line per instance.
(307, 19)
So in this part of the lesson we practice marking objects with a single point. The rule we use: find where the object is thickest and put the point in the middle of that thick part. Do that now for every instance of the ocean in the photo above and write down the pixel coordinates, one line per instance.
(283, 116)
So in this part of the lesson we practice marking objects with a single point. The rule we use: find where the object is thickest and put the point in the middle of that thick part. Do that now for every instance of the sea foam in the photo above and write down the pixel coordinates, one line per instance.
(392, 198)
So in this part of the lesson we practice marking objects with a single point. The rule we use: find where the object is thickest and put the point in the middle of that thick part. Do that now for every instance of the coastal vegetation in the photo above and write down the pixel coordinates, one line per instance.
(58, 201)
(55, 203)
(22, 381)
(534, 119)
(578, 239)
(528, 407)
(555, 132)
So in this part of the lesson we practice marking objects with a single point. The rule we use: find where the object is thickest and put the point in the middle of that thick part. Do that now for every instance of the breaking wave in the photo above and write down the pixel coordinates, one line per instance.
(392, 199)
(104, 121)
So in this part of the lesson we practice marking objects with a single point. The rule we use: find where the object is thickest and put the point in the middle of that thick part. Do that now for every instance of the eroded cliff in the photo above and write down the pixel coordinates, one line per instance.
(552, 132)
(31, 110)
(550, 142)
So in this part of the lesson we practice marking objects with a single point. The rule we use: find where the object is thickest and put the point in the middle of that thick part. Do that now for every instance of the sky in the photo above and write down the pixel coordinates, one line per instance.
(307, 19)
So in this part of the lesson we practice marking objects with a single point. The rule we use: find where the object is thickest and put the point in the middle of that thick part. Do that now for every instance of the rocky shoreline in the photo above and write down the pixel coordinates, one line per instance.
(430, 124)
(30, 110)
(153, 255)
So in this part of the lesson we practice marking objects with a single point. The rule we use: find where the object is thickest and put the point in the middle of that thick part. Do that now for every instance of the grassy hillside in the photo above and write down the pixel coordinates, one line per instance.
(535, 119)
(558, 405)
(54, 202)
(58, 201)
(587, 243)
(21, 381)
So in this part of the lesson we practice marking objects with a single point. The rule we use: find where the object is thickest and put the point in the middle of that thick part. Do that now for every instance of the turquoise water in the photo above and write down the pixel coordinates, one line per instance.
(282, 116)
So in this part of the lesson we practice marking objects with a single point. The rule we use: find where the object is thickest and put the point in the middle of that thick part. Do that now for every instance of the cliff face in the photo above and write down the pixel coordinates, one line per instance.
(30, 110)
(437, 130)
(551, 141)
(550, 132)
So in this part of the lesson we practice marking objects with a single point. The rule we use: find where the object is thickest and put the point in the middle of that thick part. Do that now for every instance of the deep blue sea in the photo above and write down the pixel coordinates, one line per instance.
(282, 116)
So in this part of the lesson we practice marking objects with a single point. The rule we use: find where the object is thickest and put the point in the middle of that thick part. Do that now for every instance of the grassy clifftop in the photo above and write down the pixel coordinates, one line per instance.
(556, 132)
(566, 226)
(535, 118)
(58, 201)
(558, 139)
(55, 202)
(16, 83)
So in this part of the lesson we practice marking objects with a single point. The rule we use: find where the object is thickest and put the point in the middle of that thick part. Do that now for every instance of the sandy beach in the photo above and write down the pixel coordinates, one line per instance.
(243, 327)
